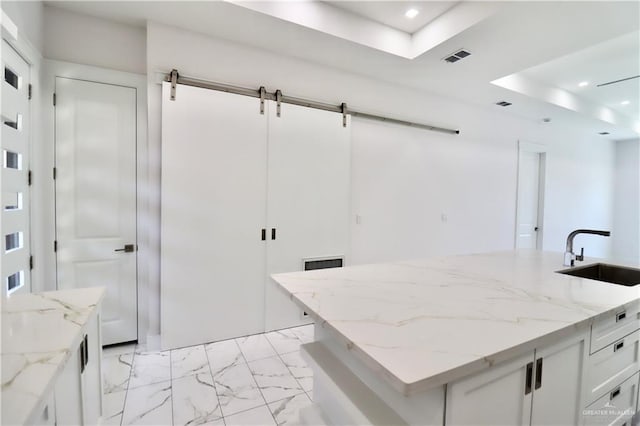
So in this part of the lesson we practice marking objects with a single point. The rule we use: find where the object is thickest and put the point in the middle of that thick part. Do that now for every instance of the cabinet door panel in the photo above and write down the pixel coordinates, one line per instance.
(493, 397)
(91, 382)
(68, 393)
(212, 211)
(558, 399)
(308, 192)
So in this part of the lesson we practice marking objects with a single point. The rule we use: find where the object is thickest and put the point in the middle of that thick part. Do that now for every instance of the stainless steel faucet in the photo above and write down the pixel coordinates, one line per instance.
(569, 255)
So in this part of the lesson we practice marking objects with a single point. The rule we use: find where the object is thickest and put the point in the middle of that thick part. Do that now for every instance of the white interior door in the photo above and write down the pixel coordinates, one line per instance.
(16, 273)
(96, 197)
(214, 152)
(309, 195)
(527, 225)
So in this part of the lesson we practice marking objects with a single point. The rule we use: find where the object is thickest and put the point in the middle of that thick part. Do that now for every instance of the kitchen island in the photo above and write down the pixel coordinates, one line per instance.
(51, 353)
(498, 338)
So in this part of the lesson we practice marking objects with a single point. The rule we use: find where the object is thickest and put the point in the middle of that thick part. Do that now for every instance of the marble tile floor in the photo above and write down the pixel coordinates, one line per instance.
(255, 380)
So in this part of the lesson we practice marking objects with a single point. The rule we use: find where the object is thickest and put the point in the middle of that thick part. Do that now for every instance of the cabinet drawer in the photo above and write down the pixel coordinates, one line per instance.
(612, 364)
(614, 327)
(616, 407)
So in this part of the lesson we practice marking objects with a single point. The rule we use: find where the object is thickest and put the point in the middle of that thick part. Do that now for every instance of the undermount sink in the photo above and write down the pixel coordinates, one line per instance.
(608, 273)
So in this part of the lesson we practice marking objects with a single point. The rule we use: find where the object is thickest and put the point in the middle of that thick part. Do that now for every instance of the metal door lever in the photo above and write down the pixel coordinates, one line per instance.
(128, 248)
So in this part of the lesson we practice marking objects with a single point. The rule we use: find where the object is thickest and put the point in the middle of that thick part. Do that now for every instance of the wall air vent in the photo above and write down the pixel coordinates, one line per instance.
(504, 103)
(603, 133)
(311, 264)
(455, 57)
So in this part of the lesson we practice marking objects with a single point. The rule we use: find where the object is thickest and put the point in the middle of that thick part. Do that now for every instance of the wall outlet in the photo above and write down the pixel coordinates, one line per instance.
(358, 219)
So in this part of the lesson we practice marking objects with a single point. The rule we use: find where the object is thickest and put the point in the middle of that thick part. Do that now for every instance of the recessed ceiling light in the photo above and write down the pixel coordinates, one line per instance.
(624, 103)
(411, 13)
(583, 83)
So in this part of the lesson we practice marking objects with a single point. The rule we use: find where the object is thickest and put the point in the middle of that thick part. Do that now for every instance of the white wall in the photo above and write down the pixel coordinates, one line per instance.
(88, 40)
(626, 225)
(28, 17)
(405, 179)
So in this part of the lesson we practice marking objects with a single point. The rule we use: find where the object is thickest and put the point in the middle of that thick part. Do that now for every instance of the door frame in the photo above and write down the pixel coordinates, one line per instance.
(13, 35)
(51, 70)
(541, 150)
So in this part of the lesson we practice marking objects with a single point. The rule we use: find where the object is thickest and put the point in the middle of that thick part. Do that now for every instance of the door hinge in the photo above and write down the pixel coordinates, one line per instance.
(55, 246)
(31, 263)
(55, 173)
(54, 99)
(29, 178)
(29, 91)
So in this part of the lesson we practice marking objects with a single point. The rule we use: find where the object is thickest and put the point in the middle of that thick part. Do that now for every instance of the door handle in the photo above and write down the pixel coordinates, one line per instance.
(273, 233)
(128, 248)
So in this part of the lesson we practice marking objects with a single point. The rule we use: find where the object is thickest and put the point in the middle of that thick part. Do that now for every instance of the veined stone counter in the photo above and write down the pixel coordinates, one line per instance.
(38, 333)
(424, 323)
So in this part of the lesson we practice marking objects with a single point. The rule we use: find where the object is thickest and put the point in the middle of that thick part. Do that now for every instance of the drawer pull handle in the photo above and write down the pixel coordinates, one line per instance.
(614, 393)
(618, 346)
(620, 316)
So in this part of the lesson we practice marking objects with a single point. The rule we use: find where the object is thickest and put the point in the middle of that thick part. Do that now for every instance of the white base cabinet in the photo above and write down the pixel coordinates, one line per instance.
(494, 397)
(563, 383)
(78, 390)
(541, 388)
(612, 369)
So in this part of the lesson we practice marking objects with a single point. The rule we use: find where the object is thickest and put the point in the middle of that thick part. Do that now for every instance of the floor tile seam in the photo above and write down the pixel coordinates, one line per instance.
(171, 384)
(288, 369)
(124, 405)
(213, 380)
(254, 378)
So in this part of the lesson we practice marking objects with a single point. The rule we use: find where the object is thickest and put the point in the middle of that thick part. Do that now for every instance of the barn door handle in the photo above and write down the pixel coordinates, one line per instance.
(128, 248)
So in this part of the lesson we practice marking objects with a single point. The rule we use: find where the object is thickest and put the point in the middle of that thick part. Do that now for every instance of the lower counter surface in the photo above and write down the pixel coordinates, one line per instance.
(38, 332)
(420, 324)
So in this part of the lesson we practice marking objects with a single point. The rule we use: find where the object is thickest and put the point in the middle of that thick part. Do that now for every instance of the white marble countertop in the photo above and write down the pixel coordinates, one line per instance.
(425, 323)
(39, 331)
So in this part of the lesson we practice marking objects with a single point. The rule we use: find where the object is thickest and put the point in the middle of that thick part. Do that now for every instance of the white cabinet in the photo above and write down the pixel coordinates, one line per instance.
(68, 391)
(498, 396)
(244, 195)
(540, 388)
(616, 407)
(78, 390)
(557, 398)
(47, 416)
(611, 369)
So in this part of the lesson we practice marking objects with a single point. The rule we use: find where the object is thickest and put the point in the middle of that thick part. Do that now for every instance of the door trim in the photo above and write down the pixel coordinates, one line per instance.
(530, 147)
(13, 35)
(51, 70)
